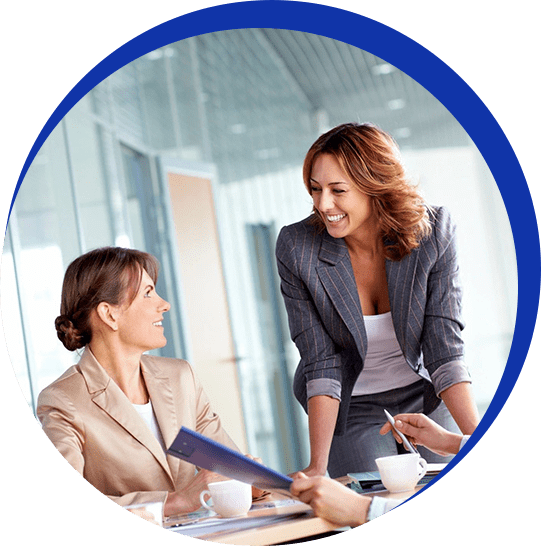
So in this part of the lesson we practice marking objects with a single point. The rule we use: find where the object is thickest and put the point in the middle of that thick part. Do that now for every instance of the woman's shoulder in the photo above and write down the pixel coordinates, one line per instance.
(439, 216)
(166, 366)
(442, 233)
(305, 232)
(443, 225)
(68, 386)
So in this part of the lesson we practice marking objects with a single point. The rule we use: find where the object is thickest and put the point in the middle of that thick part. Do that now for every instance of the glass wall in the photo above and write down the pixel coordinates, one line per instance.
(244, 105)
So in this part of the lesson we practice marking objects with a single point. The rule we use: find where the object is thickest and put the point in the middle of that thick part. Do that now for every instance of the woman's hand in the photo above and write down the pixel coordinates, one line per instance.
(310, 472)
(331, 500)
(188, 500)
(256, 492)
(421, 430)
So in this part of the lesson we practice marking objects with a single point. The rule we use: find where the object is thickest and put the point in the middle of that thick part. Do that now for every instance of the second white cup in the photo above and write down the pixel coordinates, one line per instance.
(230, 498)
(401, 472)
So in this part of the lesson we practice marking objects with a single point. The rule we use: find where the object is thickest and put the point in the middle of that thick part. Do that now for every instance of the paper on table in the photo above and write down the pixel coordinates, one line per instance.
(223, 525)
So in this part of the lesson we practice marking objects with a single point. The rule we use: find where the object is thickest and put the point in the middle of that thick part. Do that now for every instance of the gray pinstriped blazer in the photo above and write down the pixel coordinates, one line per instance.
(326, 321)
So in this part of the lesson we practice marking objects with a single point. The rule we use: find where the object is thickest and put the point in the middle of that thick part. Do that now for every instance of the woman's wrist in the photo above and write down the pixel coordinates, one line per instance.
(175, 504)
(361, 508)
(316, 468)
(453, 443)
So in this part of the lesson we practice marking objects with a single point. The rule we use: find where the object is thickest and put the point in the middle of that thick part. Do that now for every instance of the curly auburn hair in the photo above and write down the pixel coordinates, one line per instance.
(370, 158)
(110, 274)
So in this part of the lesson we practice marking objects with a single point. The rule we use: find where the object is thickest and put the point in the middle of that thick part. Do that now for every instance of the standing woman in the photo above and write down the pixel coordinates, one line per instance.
(115, 412)
(370, 283)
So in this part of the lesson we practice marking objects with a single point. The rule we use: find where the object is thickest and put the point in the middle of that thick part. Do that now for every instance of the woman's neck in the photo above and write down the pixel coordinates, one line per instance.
(367, 243)
(124, 369)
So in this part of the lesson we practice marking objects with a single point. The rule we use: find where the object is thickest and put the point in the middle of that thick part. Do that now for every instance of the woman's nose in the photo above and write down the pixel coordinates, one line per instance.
(165, 305)
(326, 202)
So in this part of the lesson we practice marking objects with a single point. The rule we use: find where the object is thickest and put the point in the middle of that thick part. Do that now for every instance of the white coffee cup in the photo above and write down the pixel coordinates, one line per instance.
(401, 472)
(230, 498)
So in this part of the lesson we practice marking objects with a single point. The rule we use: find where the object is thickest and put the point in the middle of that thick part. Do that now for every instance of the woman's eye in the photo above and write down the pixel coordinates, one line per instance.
(315, 189)
(147, 294)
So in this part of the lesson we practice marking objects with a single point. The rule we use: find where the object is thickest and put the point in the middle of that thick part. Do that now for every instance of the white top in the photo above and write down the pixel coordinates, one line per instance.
(147, 414)
(385, 367)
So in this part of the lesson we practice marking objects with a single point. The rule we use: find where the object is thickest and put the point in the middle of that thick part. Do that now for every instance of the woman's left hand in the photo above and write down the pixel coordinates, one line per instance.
(256, 492)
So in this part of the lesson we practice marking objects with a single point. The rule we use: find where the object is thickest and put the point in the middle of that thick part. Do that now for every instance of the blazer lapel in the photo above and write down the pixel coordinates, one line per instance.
(400, 281)
(106, 394)
(336, 274)
(161, 393)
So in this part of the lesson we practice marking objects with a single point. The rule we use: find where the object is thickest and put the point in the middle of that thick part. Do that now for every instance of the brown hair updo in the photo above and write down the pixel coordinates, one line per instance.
(370, 157)
(109, 274)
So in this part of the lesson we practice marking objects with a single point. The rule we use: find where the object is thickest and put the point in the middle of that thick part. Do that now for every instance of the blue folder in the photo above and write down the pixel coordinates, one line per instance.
(206, 453)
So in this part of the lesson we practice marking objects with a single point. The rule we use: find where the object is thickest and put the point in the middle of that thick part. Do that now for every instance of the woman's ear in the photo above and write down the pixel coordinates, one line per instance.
(108, 315)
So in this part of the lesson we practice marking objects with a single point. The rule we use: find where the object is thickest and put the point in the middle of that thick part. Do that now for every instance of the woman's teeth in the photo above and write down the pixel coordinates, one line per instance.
(157, 323)
(335, 218)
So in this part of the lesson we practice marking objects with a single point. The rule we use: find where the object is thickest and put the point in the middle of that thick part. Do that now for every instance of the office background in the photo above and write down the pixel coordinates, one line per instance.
(231, 115)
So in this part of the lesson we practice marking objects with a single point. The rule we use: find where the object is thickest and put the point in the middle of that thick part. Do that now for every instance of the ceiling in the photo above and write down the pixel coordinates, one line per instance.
(350, 84)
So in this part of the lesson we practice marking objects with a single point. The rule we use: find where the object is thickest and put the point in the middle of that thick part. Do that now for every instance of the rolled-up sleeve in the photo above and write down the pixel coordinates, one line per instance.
(326, 387)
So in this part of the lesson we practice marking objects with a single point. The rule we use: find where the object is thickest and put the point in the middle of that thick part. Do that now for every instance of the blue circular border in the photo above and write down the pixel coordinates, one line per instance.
(413, 59)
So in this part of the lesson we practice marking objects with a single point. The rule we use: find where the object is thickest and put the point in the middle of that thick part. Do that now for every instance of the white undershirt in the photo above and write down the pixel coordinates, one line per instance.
(385, 367)
(147, 414)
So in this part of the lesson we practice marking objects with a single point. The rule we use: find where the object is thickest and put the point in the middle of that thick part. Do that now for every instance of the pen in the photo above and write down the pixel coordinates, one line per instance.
(410, 447)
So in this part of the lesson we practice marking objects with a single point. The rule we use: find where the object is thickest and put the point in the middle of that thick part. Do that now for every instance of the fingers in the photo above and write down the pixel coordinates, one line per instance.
(256, 459)
(418, 420)
(297, 474)
(301, 483)
(411, 432)
(385, 428)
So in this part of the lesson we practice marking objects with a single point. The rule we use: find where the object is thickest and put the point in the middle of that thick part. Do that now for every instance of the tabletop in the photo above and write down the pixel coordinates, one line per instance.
(274, 520)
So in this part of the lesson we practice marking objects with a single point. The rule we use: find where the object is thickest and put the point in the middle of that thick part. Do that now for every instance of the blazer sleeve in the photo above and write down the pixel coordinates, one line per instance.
(66, 430)
(319, 370)
(442, 344)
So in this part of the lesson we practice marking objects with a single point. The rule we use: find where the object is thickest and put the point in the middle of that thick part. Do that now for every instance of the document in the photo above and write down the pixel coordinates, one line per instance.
(225, 525)
(206, 453)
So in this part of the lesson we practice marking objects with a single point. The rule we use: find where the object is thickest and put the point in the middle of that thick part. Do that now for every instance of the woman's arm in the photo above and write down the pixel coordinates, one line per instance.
(460, 402)
(322, 415)
(318, 379)
(442, 343)
(423, 431)
(66, 431)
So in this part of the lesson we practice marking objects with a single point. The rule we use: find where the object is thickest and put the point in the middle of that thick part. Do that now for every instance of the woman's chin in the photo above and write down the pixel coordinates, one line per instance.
(335, 231)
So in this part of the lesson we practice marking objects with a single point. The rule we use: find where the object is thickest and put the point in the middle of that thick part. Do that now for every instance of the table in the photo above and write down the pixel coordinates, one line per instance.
(301, 524)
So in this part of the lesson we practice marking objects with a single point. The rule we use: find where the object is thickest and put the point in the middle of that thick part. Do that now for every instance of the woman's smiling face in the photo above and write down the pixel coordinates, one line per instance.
(140, 323)
(344, 208)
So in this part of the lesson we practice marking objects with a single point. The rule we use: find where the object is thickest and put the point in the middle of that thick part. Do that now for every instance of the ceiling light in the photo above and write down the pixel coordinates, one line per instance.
(403, 132)
(396, 104)
(268, 153)
(238, 128)
(382, 69)
(154, 55)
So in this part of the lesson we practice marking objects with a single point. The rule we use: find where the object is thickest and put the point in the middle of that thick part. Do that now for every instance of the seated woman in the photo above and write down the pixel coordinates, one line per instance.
(114, 413)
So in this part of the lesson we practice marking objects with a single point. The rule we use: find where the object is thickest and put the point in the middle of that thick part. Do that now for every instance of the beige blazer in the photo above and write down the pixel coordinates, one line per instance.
(96, 428)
